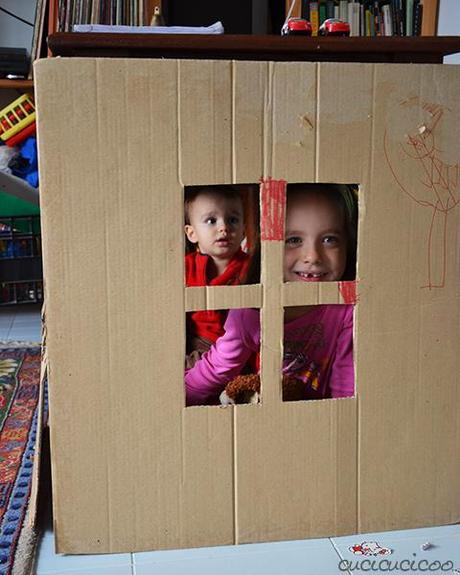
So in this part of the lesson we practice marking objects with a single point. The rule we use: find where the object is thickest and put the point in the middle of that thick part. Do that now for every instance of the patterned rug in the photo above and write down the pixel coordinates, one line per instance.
(19, 394)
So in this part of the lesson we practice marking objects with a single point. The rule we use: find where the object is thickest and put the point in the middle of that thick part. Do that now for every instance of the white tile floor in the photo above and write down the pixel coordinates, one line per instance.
(317, 556)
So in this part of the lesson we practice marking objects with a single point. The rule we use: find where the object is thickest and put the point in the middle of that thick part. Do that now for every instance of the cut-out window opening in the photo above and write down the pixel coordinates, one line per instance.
(227, 371)
(221, 225)
(320, 245)
(318, 352)
(321, 232)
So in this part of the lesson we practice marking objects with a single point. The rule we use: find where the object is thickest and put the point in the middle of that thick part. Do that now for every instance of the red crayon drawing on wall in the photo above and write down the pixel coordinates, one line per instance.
(273, 202)
(436, 185)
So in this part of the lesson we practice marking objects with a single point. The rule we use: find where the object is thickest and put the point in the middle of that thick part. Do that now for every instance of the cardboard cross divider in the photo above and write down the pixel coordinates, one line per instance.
(133, 468)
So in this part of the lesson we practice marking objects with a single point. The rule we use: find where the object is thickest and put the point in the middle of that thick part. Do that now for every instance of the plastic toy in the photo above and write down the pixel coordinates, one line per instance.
(296, 27)
(17, 116)
(334, 27)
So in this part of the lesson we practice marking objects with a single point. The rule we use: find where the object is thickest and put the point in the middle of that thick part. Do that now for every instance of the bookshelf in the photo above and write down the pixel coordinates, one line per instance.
(16, 84)
(64, 13)
(395, 49)
(423, 14)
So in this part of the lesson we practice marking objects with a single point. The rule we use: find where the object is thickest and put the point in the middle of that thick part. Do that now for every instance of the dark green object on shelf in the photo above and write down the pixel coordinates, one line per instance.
(18, 198)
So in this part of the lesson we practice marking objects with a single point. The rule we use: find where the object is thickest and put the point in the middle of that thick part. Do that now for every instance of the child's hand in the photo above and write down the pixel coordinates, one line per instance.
(225, 400)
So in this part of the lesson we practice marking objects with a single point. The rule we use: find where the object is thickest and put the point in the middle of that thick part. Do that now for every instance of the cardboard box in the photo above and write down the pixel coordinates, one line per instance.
(133, 469)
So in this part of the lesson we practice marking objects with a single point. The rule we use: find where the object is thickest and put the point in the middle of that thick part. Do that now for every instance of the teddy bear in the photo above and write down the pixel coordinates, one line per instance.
(246, 389)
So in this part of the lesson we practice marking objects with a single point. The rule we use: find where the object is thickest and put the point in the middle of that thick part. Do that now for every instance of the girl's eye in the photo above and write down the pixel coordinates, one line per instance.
(210, 221)
(293, 241)
(330, 240)
(234, 221)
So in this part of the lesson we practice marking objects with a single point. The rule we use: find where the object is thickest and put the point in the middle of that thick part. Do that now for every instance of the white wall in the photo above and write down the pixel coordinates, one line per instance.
(13, 33)
(449, 24)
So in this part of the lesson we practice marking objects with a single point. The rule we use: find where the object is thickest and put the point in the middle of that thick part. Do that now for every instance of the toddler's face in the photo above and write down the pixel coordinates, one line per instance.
(216, 224)
(316, 244)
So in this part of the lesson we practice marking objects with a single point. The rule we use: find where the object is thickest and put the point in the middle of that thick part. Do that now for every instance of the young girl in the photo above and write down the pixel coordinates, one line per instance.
(320, 245)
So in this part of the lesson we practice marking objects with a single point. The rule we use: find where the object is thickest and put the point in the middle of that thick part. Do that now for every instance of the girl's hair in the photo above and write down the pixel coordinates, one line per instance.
(346, 196)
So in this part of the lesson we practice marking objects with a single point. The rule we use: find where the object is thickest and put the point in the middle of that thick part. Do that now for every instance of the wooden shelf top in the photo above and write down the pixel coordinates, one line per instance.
(396, 49)
(16, 84)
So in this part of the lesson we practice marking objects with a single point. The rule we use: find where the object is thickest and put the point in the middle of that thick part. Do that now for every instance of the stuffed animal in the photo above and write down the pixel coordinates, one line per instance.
(246, 389)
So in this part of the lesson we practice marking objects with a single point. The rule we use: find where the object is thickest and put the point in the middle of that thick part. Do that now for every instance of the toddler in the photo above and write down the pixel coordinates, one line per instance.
(320, 245)
(214, 226)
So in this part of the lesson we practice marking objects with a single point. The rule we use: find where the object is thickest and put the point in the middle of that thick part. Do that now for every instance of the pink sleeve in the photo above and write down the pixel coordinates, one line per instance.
(342, 378)
(226, 358)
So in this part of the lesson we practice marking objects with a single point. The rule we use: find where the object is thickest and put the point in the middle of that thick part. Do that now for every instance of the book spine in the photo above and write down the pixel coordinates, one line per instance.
(418, 17)
(330, 9)
(322, 12)
(94, 12)
(399, 17)
(430, 17)
(314, 18)
(62, 14)
(394, 18)
(343, 10)
(350, 17)
(305, 10)
(409, 16)
(354, 20)
(387, 19)
(376, 12)
(367, 17)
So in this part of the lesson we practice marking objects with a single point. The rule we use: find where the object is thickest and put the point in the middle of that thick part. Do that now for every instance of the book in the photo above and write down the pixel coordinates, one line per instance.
(387, 20)
(430, 17)
(370, 25)
(95, 12)
(376, 13)
(394, 21)
(37, 38)
(314, 18)
(353, 18)
(305, 13)
(343, 10)
(409, 16)
(330, 6)
(418, 16)
(322, 11)
(398, 18)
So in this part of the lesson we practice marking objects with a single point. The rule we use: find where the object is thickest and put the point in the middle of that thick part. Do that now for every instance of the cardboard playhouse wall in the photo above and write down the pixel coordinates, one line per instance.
(132, 467)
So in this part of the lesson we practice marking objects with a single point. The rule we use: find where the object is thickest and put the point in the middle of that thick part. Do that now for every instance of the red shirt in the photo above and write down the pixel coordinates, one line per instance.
(208, 324)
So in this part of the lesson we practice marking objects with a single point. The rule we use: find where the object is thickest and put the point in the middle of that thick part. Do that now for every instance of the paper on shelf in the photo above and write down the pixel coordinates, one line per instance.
(216, 28)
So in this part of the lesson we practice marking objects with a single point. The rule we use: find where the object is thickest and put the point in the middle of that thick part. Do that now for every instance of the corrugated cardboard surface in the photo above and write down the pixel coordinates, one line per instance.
(133, 469)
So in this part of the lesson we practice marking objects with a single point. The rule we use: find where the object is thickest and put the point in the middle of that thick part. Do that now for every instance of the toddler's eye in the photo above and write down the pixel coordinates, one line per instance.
(234, 221)
(210, 220)
(293, 241)
(331, 240)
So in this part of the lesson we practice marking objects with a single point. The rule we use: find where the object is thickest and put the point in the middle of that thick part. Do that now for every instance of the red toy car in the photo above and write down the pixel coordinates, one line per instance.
(296, 27)
(334, 27)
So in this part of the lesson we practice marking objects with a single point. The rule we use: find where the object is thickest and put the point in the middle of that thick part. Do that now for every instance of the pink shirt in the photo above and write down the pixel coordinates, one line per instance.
(318, 348)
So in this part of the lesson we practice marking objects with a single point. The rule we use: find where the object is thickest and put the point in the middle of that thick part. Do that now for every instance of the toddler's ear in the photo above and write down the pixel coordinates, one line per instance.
(190, 233)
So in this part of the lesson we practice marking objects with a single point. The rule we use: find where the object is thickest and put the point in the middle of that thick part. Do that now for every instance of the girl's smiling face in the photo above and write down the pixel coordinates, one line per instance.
(315, 240)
